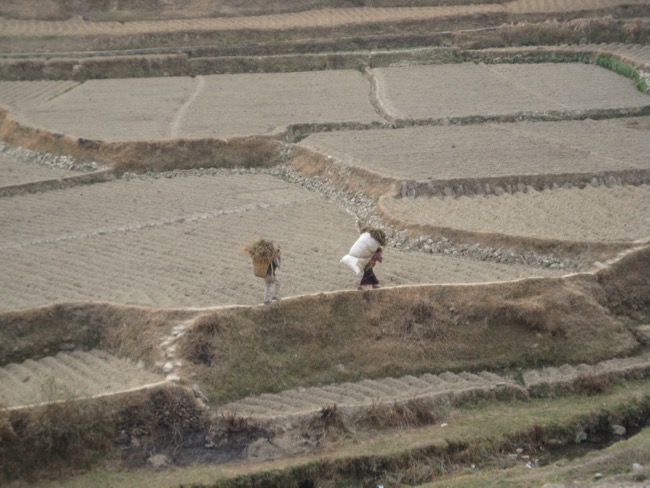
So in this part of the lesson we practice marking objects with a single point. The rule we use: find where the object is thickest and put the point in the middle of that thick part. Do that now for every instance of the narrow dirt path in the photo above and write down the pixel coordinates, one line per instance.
(177, 120)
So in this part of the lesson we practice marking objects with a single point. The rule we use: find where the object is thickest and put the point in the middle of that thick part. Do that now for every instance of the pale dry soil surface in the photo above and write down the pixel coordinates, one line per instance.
(203, 106)
(267, 103)
(13, 172)
(178, 242)
(619, 213)
(492, 150)
(456, 90)
(68, 375)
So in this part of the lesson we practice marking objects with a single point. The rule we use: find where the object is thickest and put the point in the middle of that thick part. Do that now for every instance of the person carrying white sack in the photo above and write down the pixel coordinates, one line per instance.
(363, 249)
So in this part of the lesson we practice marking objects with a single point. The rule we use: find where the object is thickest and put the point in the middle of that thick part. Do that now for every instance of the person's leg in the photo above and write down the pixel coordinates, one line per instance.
(276, 295)
(267, 289)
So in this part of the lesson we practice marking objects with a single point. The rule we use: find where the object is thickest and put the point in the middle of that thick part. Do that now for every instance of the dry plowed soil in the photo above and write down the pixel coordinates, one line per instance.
(68, 376)
(477, 172)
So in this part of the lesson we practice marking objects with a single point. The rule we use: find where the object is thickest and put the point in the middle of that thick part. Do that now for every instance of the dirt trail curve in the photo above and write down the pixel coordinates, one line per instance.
(326, 18)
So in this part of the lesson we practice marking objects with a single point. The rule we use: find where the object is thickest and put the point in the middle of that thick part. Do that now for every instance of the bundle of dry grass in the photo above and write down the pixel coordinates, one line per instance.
(263, 252)
(377, 234)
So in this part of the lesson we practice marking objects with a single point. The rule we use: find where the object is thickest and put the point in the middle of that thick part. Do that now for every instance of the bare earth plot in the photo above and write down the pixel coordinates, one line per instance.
(176, 240)
(140, 108)
(620, 213)
(490, 150)
(70, 375)
(456, 90)
(309, 19)
(230, 105)
(179, 241)
(546, 6)
(17, 173)
(205, 106)
(19, 95)
(247, 104)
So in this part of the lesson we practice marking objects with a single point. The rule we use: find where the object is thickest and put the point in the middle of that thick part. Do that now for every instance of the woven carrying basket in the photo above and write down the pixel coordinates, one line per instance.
(260, 266)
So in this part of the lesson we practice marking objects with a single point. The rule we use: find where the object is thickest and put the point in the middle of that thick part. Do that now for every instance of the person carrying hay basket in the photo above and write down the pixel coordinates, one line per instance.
(267, 260)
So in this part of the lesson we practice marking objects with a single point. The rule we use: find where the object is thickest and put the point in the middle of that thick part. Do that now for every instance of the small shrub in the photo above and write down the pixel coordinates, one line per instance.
(62, 436)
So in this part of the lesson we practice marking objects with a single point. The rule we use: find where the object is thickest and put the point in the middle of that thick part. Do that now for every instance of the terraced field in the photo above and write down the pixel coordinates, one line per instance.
(249, 104)
(423, 92)
(560, 151)
(179, 242)
(74, 374)
(291, 405)
(594, 214)
(479, 174)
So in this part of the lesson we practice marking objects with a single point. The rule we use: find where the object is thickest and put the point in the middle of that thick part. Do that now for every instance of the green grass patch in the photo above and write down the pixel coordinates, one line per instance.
(623, 69)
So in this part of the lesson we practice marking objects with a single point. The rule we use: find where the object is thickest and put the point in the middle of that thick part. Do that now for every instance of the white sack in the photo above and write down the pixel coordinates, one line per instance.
(361, 252)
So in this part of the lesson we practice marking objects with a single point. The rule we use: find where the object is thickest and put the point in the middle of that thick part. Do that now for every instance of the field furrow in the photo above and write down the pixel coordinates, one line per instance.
(365, 394)
(13, 172)
(434, 91)
(309, 19)
(476, 152)
(69, 375)
(25, 94)
(619, 213)
(179, 242)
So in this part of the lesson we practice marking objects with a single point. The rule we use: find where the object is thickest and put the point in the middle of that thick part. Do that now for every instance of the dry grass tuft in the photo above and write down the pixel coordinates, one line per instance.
(626, 285)
(377, 234)
(233, 433)
(328, 423)
(413, 413)
(263, 248)
(591, 384)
